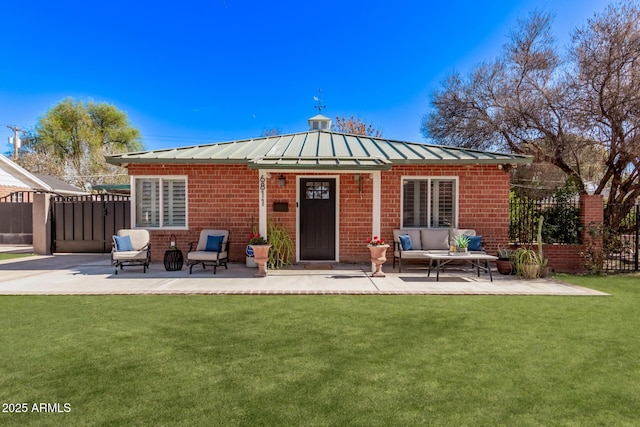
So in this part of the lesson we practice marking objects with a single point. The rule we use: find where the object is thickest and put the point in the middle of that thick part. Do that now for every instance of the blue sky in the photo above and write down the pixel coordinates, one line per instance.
(194, 72)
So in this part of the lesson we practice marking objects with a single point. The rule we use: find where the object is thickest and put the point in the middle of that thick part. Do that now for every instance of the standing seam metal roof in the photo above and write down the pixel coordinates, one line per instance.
(319, 149)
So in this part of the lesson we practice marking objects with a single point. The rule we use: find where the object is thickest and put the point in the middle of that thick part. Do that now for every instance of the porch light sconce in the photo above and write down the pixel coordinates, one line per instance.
(358, 178)
(282, 180)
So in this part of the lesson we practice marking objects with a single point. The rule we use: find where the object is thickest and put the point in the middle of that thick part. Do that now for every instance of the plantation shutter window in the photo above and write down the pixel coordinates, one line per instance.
(147, 202)
(428, 202)
(160, 202)
(174, 212)
(442, 203)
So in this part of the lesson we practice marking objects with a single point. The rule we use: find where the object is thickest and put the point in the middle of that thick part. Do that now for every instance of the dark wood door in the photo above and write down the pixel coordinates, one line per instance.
(318, 219)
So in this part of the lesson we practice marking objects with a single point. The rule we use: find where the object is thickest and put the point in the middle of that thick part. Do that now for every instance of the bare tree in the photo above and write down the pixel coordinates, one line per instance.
(355, 126)
(574, 111)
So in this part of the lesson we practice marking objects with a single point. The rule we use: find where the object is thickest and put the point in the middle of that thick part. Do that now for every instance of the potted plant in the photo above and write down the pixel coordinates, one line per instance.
(282, 248)
(378, 249)
(527, 263)
(504, 263)
(260, 248)
(461, 242)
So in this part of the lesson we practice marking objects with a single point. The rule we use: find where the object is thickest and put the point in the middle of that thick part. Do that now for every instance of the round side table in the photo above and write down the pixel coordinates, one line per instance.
(173, 260)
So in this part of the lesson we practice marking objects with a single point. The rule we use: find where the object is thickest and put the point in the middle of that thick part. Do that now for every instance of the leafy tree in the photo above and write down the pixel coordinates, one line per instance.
(576, 111)
(355, 126)
(72, 138)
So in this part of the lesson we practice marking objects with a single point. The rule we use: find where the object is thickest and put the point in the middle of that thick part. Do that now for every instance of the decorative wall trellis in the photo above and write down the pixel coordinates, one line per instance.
(620, 245)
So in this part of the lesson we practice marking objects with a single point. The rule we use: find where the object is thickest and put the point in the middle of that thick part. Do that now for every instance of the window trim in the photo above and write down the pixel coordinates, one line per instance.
(161, 179)
(429, 178)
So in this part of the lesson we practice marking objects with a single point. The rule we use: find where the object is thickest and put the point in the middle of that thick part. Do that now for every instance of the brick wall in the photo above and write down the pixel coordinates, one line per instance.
(483, 199)
(227, 197)
(219, 197)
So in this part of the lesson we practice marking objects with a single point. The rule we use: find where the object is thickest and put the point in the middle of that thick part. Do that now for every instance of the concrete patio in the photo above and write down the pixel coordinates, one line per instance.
(92, 274)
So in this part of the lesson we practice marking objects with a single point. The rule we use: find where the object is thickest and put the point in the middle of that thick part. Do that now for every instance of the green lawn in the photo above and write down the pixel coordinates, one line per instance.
(4, 256)
(325, 360)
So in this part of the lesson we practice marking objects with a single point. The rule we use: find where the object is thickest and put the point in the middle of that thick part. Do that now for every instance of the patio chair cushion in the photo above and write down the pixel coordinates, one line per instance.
(214, 243)
(206, 255)
(130, 255)
(204, 235)
(123, 243)
(139, 238)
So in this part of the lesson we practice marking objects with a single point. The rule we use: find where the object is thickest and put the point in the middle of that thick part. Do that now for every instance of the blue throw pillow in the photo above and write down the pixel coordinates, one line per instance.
(405, 242)
(123, 243)
(475, 243)
(214, 243)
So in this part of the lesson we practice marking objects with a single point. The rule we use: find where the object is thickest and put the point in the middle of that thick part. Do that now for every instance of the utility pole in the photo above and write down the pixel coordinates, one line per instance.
(16, 141)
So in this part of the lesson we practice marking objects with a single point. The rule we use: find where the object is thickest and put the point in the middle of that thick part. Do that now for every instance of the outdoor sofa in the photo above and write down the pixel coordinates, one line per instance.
(417, 242)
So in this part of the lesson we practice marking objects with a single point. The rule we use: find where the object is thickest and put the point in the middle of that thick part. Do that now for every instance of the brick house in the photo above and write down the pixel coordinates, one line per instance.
(332, 191)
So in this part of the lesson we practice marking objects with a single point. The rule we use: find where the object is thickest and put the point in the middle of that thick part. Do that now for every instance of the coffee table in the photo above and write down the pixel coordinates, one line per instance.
(445, 258)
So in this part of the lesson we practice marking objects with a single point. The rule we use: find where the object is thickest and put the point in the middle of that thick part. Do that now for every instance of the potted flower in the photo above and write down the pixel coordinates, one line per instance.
(504, 263)
(378, 249)
(260, 248)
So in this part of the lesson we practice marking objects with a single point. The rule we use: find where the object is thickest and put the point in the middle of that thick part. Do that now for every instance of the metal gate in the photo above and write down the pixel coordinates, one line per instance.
(620, 245)
(86, 223)
(16, 218)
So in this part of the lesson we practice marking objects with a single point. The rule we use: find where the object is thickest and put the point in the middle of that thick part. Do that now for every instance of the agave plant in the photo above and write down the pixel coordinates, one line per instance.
(461, 241)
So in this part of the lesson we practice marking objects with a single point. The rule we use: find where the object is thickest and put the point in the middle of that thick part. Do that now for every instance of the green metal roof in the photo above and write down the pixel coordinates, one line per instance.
(319, 150)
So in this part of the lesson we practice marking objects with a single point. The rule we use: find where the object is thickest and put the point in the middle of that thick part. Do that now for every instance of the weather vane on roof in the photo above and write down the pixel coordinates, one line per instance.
(318, 99)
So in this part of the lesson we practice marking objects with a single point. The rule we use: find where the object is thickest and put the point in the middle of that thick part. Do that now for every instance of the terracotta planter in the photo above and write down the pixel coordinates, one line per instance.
(504, 266)
(378, 257)
(261, 256)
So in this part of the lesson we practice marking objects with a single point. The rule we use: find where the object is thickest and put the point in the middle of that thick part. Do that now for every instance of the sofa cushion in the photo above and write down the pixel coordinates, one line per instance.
(413, 233)
(434, 239)
(475, 243)
(455, 232)
(405, 242)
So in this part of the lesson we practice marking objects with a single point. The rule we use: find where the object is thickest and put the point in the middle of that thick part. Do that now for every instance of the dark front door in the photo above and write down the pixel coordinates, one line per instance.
(318, 219)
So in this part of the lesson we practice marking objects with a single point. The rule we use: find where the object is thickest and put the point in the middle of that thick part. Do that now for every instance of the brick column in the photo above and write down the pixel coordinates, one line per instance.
(592, 216)
(591, 213)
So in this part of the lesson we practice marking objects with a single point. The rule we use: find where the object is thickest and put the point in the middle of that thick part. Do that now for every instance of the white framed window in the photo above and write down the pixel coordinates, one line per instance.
(159, 201)
(429, 202)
